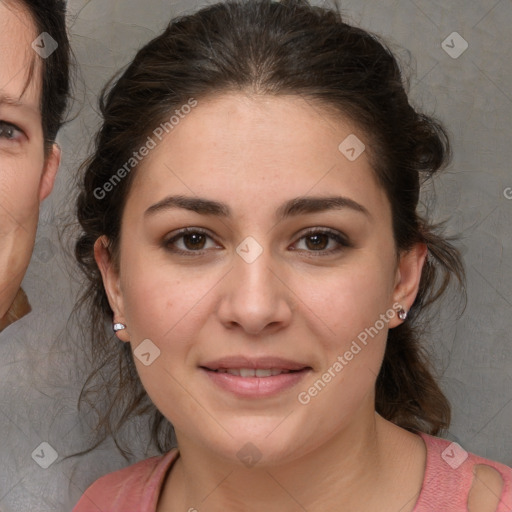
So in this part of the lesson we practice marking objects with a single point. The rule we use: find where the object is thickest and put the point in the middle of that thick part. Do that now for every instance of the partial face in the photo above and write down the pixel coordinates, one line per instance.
(272, 276)
(26, 177)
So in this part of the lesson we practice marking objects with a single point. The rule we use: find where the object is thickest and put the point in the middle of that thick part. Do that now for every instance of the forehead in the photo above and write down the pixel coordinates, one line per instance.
(234, 131)
(20, 67)
(242, 148)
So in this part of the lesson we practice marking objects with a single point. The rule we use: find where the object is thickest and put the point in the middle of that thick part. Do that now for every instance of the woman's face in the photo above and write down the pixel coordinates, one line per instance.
(288, 262)
(26, 177)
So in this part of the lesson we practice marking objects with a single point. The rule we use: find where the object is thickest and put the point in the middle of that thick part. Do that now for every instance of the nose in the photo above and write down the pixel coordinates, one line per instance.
(255, 296)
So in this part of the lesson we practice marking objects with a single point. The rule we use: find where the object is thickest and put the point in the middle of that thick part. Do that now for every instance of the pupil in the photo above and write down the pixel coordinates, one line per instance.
(194, 241)
(317, 241)
(7, 132)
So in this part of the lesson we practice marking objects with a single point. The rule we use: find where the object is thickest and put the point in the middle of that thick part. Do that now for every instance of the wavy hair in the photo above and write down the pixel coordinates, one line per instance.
(274, 48)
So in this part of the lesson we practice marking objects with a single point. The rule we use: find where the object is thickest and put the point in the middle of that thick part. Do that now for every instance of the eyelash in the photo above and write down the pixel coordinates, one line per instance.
(333, 235)
(4, 127)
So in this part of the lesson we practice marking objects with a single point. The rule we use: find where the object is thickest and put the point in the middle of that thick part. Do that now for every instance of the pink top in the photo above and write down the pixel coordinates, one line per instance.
(448, 479)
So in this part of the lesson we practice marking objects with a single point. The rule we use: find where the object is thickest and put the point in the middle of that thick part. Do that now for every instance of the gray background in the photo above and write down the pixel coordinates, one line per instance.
(39, 371)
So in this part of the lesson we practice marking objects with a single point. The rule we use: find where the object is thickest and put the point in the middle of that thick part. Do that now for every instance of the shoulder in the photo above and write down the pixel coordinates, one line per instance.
(486, 491)
(137, 487)
(463, 479)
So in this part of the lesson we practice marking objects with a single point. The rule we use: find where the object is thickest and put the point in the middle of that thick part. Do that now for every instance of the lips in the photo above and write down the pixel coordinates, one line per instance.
(251, 372)
(243, 364)
(255, 378)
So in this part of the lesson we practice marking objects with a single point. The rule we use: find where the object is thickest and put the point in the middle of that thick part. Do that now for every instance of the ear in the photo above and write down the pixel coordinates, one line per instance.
(408, 277)
(110, 276)
(51, 166)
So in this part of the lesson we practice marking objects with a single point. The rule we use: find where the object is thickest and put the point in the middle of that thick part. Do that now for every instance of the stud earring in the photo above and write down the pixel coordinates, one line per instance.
(118, 327)
(402, 314)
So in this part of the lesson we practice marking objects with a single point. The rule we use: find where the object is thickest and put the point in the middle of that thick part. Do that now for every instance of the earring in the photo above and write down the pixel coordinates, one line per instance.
(118, 327)
(402, 314)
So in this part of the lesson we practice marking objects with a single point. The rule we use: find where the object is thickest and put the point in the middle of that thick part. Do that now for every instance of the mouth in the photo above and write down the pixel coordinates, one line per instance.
(254, 364)
(255, 378)
(254, 372)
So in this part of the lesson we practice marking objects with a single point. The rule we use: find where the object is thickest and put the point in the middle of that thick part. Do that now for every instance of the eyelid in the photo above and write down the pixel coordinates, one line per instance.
(327, 231)
(340, 238)
(180, 234)
(11, 125)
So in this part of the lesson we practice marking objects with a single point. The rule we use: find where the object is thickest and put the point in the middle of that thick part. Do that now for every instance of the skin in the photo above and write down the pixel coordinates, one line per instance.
(27, 175)
(290, 302)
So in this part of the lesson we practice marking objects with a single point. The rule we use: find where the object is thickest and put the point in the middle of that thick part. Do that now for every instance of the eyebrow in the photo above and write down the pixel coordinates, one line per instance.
(293, 207)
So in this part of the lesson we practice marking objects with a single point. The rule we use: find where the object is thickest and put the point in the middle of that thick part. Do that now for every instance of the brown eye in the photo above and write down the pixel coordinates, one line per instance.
(189, 241)
(194, 241)
(319, 240)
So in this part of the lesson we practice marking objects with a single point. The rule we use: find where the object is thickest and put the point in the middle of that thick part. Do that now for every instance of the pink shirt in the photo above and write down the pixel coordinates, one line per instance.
(448, 479)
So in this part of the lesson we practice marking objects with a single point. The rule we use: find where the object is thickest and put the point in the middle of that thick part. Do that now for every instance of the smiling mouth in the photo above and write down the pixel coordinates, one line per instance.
(253, 372)
(264, 380)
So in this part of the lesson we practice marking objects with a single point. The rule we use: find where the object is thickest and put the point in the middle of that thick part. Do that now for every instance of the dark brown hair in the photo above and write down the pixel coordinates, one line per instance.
(50, 17)
(266, 47)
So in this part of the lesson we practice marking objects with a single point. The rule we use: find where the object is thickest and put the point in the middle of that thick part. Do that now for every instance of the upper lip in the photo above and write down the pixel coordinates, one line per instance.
(254, 362)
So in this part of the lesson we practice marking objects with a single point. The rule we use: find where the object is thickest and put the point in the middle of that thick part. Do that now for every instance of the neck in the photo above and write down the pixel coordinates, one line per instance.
(356, 467)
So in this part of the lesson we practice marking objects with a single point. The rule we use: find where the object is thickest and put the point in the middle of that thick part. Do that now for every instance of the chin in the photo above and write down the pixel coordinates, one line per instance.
(268, 443)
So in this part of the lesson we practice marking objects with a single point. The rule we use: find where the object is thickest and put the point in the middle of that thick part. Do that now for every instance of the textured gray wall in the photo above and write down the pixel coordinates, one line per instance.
(39, 371)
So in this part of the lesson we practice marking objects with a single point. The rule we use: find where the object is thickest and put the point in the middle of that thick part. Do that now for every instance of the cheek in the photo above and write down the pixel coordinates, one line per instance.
(346, 301)
(163, 303)
(354, 308)
(165, 307)
(19, 212)
(19, 186)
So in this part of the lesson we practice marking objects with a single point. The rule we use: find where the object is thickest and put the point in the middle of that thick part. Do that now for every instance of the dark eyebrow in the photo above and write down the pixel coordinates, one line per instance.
(297, 206)
(194, 204)
(301, 205)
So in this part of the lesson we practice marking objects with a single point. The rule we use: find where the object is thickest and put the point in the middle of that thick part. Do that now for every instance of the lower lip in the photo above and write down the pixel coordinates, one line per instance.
(256, 387)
